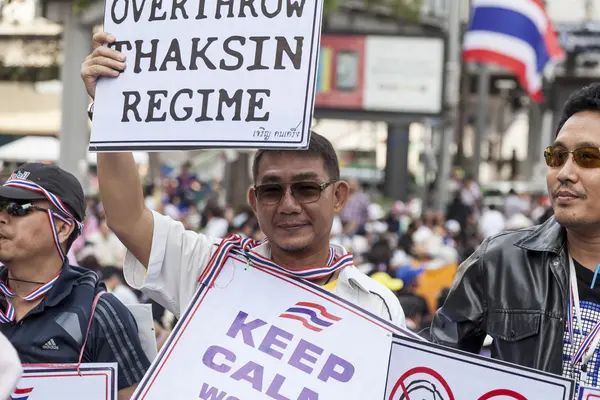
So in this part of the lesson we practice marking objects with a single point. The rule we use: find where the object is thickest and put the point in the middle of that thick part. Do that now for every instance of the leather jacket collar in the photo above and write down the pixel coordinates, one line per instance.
(548, 237)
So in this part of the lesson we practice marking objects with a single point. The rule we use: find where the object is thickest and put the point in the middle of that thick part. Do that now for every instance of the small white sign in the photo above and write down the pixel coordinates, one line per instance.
(589, 393)
(404, 74)
(421, 370)
(209, 73)
(252, 333)
(67, 382)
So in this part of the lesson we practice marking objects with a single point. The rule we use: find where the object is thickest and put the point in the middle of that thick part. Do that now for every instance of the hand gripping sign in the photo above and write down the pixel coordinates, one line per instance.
(209, 74)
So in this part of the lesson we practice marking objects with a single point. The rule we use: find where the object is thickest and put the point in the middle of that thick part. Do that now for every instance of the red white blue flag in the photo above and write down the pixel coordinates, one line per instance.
(515, 34)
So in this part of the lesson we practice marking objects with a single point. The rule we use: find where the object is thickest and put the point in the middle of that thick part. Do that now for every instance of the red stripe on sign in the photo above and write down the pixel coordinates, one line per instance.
(320, 308)
(303, 320)
(23, 391)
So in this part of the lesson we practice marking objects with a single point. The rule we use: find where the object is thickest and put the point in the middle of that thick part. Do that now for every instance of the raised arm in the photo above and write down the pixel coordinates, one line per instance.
(120, 186)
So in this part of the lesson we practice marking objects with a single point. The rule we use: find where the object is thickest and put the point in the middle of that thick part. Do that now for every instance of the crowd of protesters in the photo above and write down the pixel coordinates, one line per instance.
(395, 244)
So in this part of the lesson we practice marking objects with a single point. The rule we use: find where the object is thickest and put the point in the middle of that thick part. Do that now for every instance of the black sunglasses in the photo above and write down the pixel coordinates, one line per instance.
(17, 209)
(304, 192)
(585, 157)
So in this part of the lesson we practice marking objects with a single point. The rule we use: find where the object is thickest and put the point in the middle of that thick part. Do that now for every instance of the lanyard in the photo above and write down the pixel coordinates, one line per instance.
(38, 293)
(590, 342)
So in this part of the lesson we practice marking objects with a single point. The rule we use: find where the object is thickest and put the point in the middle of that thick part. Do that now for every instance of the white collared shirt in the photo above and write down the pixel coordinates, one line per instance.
(179, 256)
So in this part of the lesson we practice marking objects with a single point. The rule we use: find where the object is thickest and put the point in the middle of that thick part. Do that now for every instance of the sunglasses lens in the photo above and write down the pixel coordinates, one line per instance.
(587, 157)
(306, 192)
(15, 209)
(270, 193)
(555, 156)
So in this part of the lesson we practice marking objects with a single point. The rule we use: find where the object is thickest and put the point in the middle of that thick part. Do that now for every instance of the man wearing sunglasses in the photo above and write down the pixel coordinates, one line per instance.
(295, 197)
(534, 291)
(45, 303)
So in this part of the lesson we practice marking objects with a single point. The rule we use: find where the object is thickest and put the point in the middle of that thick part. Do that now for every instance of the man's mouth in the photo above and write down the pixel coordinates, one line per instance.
(563, 196)
(292, 226)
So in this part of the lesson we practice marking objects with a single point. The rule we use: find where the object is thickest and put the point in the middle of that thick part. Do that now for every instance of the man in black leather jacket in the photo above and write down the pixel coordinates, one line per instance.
(516, 285)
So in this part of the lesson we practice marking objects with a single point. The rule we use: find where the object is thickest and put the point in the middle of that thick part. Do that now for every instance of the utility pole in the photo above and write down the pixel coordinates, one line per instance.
(74, 100)
(589, 10)
(453, 66)
(483, 95)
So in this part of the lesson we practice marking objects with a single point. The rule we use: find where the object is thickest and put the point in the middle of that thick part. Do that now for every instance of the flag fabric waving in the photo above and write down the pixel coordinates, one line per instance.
(515, 34)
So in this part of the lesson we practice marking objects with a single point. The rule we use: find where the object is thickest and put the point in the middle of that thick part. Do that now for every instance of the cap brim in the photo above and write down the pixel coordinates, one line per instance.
(13, 193)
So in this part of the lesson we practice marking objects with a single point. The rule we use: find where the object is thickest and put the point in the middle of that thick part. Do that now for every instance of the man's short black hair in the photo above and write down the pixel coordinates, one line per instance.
(318, 147)
(584, 99)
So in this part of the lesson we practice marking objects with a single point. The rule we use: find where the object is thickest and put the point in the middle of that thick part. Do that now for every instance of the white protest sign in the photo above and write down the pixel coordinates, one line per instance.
(209, 73)
(421, 370)
(97, 381)
(252, 333)
(588, 393)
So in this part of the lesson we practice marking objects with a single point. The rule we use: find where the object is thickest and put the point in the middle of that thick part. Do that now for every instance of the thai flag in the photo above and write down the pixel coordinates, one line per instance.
(21, 394)
(313, 316)
(514, 34)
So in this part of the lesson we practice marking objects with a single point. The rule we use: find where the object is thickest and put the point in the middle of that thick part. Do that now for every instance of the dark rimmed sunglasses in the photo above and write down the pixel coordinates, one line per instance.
(304, 192)
(585, 157)
(18, 209)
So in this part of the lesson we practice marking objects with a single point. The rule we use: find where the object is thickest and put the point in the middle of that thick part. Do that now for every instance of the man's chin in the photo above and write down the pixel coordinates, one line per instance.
(293, 247)
(571, 220)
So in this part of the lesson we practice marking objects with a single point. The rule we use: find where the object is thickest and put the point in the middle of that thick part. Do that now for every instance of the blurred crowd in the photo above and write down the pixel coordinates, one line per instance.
(409, 247)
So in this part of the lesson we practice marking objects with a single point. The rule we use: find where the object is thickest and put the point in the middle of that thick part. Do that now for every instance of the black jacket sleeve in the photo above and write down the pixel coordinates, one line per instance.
(115, 339)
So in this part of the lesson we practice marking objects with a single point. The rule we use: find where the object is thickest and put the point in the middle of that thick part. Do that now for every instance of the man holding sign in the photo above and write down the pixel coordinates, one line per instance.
(295, 197)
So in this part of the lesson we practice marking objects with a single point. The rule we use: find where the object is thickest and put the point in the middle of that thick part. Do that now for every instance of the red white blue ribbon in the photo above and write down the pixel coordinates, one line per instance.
(588, 345)
(38, 293)
(308, 273)
(245, 246)
(66, 216)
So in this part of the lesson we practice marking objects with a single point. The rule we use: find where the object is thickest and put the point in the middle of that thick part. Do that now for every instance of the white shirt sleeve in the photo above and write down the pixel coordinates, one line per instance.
(177, 259)
(10, 368)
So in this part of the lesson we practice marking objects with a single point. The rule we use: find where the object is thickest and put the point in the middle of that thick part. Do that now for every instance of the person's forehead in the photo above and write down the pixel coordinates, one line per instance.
(582, 129)
(290, 166)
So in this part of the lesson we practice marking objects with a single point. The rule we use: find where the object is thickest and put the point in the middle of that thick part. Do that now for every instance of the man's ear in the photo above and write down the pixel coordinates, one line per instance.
(342, 190)
(252, 199)
(64, 230)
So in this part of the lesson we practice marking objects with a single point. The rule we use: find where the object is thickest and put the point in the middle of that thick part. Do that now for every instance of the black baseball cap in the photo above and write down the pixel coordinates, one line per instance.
(56, 180)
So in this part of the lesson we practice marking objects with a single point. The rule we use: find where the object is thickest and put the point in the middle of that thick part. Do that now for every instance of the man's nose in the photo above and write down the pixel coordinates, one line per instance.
(288, 203)
(568, 172)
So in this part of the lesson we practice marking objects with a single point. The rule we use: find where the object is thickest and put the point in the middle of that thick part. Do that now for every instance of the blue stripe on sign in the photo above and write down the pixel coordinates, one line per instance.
(313, 315)
(511, 23)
